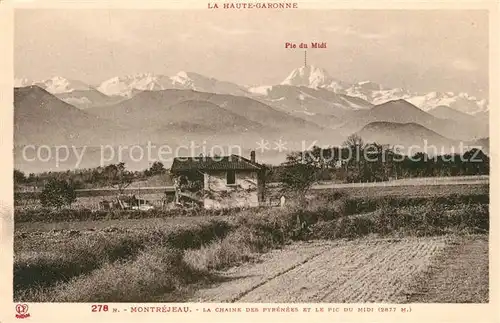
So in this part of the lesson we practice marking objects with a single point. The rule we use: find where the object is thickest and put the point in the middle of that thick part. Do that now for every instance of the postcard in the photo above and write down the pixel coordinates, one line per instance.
(249, 160)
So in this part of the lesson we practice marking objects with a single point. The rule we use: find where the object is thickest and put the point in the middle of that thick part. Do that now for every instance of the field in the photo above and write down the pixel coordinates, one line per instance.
(143, 223)
(363, 270)
(377, 245)
(432, 186)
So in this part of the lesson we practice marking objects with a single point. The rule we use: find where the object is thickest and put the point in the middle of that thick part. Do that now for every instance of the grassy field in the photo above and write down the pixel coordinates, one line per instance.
(36, 217)
(416, 191)
(165, 258)
(142, 223)
(90, 198)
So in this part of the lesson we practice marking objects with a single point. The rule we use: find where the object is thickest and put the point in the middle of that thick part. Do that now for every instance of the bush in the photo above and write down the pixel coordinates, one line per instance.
(237, 247)
(344, 228)
(269, 228)
(57, 193)
(475, 217)
(155, 271)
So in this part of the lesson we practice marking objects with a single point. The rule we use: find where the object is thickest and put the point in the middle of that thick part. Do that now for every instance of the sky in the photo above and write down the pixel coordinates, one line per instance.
(423, 51)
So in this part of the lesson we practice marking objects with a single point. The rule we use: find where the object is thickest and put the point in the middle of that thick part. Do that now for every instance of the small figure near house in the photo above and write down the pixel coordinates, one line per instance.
(282, 201)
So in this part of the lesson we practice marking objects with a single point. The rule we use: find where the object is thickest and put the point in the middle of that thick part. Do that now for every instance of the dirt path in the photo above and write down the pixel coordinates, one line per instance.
(365, 270)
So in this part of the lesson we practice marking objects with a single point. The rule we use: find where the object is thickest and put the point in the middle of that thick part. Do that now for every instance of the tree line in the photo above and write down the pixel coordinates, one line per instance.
(112, 175)
(356, 161)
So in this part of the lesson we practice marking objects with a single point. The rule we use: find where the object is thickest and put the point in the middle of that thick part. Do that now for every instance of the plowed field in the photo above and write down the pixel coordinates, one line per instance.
(365, 270)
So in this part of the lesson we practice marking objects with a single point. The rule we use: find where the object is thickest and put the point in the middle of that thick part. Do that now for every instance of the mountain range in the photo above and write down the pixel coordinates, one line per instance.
(311, 77)
(308, 105)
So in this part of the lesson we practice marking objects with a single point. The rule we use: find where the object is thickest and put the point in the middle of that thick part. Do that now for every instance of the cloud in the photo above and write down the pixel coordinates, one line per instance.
(463, 64)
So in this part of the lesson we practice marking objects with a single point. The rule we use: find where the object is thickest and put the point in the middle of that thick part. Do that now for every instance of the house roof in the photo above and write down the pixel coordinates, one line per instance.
(232, 162)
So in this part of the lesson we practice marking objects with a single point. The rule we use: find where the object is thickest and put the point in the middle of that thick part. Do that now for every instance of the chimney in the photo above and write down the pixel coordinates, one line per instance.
(252, 156)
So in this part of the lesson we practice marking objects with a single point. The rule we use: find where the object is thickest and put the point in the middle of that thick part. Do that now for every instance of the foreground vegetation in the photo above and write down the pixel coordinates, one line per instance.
(148, 263)
(357, 200)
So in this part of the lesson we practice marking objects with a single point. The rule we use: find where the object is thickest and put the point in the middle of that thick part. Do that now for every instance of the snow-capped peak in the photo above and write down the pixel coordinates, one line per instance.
(369, 85)
(461, 101)
(22, 81)
(313, 77)
(310, 76)
(190, 80)
(127, 85)
(59, 84)
(55, 84)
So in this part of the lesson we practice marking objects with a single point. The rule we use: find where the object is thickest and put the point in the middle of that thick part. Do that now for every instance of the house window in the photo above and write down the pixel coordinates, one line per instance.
(230, 177)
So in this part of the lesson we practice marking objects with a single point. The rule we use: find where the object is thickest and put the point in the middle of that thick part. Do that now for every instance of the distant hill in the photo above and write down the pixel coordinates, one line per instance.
(84, 99)
(316, 105)
(74, 92)
(406, 135)
(397, 111)
(401, 111)
(196, 116)
(221, 113)
(445, 112)
(483, 116)
(40, 118)
(483, 144)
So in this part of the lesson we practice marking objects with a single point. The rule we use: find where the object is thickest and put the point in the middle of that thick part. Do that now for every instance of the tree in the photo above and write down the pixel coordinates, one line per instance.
(156, 169)
(298, 174)
(19, 177)
(57, 193)
(354, 140)
(117, 176)
(353, 156)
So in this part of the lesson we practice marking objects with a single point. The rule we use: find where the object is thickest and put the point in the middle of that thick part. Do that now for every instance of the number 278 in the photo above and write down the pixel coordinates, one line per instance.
(99, 308)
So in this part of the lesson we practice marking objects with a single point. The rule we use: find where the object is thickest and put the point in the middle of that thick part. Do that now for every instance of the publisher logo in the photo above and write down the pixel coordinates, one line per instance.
(22, 311)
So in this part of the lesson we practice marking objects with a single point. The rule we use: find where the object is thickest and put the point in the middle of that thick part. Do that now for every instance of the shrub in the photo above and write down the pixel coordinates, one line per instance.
(155, 271)
(346, 227)
(57, 193)
(237, 247)
(475, 217)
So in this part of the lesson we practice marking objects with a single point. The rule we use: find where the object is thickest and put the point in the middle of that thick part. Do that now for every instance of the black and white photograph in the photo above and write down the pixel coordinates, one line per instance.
(250, 152)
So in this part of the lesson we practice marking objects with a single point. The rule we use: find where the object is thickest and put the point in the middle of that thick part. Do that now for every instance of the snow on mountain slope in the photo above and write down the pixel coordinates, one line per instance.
(323, 107)
(128, 85)
(259, 90)
(58, 84)
(461, 102)
(54, 85)
(198, 82)
(125, 85)
(315, 77)
(22, 82)
(377, 94)
(74, 92)
(318, 80)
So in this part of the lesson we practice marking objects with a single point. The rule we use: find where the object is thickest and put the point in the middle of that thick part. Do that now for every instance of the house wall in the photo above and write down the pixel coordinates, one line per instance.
(219, 195)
